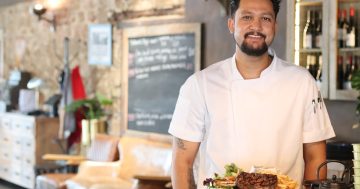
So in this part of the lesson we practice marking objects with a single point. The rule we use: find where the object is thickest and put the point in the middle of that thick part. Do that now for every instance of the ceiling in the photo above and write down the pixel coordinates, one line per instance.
(10, 2)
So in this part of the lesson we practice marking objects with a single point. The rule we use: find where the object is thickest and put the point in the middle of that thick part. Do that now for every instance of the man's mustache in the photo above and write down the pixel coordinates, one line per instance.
(255, 33)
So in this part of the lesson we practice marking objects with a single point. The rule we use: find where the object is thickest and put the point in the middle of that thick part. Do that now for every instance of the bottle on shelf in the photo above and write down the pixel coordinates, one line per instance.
(308, 32)
(319, 69)
(318, 31)
(351, 30)
(342, 28)
(319, 65)
(340, 73)
(348, 73)
(311, 64)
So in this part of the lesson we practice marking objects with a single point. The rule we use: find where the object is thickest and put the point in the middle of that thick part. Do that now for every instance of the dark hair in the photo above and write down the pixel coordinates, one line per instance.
(234, 5)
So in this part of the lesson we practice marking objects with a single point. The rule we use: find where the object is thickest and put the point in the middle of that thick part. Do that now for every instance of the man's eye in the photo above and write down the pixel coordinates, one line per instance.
(246, 17)
(267, 19)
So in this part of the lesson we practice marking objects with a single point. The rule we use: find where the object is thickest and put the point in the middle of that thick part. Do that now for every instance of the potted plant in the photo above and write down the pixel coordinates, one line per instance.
(95, 113)
(355, 84)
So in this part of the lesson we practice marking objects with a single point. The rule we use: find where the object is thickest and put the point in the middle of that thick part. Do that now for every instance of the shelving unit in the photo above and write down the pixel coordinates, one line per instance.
(296, 53)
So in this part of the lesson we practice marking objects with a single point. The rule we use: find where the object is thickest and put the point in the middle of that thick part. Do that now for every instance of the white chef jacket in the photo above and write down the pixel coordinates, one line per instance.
(254, 122)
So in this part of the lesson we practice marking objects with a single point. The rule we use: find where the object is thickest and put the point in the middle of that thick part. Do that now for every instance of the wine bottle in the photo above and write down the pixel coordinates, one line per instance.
(342, 25)
(319, 71)
(350, 36)
(308, 32)
(348, 73)
(340, 73)
(344, 28)
(318, 35)
(311, 65)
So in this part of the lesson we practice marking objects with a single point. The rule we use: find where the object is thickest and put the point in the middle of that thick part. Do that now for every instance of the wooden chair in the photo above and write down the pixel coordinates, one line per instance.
(104, 148)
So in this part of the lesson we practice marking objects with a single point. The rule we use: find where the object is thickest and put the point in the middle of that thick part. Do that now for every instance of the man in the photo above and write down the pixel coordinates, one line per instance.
(251, 109)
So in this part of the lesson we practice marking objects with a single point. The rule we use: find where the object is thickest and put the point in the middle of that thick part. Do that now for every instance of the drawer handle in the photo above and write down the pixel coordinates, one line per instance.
(18, 142)
(6, 170)
(17, 157)
(6, 155)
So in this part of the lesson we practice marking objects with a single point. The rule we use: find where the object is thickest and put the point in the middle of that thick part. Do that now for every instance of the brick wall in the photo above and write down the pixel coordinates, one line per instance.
(44, 49)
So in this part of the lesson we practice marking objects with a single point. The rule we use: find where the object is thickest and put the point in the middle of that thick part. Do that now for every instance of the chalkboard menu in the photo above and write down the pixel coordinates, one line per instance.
(158, 60)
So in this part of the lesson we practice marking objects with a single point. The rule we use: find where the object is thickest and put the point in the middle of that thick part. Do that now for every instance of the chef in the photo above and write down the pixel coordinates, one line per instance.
(250, 109)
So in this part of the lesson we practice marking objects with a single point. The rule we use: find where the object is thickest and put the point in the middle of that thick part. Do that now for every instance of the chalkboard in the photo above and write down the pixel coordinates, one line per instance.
(157, 60)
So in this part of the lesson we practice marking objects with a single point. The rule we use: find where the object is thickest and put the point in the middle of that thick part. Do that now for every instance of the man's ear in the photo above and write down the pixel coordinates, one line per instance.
(231, 25)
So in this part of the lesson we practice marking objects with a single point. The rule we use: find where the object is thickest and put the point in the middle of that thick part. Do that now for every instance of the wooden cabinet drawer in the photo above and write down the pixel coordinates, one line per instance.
(23, 127)
(28, 160)
(6, 140)
(6, 124)
(5, 155)
(28, 144)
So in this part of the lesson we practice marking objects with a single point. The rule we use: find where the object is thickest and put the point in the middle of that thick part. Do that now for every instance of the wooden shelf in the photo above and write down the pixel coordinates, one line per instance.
(310, 2)
(343, 50)
(349, 1)
(346, 94)
(310, 50)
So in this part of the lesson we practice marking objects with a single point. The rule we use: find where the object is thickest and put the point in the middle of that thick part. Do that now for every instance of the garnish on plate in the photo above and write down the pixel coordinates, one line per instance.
(228, 180)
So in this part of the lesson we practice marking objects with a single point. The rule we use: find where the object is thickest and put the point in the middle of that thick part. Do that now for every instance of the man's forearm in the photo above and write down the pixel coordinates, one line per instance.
(182, 177)
(184, 153)
(314, 155)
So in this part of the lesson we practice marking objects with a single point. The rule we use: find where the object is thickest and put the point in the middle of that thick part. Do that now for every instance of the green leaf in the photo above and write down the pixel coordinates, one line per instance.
(91, 108)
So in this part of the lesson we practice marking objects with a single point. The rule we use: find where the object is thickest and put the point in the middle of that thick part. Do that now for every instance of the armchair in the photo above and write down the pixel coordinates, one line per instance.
(102, 149)
(144, 163)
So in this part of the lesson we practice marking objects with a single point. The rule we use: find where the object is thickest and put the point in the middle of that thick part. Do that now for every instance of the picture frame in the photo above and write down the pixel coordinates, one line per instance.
(100, 44)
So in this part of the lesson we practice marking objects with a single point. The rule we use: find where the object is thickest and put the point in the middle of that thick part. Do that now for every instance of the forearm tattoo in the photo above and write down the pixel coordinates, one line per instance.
(180, 144)
(191, 180)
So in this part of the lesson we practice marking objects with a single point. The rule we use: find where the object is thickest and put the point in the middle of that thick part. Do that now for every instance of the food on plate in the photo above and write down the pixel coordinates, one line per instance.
(284, 181)
(256, 180)
(228, 180)
(262, 178)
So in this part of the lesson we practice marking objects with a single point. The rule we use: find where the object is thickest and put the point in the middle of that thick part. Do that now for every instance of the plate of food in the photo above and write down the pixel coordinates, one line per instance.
(259, 178)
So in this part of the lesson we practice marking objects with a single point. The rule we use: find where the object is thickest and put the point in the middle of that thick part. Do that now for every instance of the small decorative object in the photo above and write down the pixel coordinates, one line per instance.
(100, 44)
(94, 112)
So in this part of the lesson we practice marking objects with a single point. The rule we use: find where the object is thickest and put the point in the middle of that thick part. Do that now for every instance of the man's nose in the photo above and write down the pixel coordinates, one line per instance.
(256, 24)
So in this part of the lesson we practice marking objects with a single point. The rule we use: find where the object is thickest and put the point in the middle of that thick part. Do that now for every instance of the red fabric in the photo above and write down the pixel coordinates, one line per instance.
(78, 92)
(78, 89)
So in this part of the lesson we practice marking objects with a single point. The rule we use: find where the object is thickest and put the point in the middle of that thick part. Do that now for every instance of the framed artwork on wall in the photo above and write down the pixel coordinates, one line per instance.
(100, 44)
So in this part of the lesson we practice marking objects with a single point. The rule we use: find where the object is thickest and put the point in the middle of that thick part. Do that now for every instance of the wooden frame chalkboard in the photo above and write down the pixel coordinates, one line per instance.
(156, 62)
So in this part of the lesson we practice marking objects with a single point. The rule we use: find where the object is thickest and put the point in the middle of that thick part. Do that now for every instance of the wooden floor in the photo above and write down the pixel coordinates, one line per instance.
(7, 185)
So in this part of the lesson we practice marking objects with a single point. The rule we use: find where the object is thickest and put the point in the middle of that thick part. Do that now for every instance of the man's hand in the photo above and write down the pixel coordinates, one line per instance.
(314, 155)
(184, 153)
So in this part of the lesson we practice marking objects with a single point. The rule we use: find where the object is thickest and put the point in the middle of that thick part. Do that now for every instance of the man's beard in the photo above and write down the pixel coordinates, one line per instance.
(249, 50)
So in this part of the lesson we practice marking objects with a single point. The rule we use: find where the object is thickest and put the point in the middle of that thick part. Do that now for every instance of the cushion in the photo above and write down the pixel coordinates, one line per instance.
(52, 181)
(142, 156)
(104, 148)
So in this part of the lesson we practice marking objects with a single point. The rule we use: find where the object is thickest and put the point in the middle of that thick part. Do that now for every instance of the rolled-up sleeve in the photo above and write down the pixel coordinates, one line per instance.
(317, 125)
(188, 119)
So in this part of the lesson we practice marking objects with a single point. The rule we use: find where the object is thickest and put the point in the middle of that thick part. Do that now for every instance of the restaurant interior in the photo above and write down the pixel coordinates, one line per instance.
(88, 88)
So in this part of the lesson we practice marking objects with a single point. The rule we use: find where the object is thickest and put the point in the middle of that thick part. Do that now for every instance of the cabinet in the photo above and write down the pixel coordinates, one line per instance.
(329, 56)
(23, 140)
